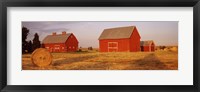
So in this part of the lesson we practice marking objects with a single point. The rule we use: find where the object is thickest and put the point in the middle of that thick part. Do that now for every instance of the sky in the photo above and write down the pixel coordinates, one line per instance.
(163, 33)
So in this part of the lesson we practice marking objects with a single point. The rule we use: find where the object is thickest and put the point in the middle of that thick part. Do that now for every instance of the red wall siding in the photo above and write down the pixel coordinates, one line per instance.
(131, 44)
(55, 47)
(135, 41)
(123, 45)
(148, 48)
(145, 48)
(70, 45)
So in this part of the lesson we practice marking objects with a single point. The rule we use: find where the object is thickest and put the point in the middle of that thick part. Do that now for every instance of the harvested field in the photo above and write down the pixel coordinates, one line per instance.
(94, 60)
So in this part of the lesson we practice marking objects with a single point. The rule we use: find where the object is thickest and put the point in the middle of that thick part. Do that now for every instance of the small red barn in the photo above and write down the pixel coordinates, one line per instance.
(120, 39)
(65, 42)
(147, 46)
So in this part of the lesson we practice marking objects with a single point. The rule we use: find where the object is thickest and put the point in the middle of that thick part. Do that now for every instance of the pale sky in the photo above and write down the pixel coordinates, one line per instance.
(87, 33)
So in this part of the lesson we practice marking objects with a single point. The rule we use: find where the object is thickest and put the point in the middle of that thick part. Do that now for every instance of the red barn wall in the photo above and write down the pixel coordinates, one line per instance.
(145, 48)
(152, 48)
(55, 47)
(135, 41)
(70, 45)
(148, 48)
(123, 45)
(131, 44)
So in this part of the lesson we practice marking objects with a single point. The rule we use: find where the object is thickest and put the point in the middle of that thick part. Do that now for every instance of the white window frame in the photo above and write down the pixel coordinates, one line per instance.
(58, 48)
(113, 47)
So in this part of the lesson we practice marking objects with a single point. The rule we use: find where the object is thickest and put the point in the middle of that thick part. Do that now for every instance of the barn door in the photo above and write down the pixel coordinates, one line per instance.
(112, 46)
(56, 48)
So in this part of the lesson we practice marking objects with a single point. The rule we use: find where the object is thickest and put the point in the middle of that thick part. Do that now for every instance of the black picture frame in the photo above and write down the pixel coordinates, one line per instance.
(100, 3)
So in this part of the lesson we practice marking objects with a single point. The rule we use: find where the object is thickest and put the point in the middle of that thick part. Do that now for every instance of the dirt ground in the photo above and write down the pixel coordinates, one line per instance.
(93, 60)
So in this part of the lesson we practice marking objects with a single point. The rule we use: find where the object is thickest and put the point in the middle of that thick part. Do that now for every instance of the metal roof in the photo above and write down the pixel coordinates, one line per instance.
(117, 33)
(146, 43)
(59, 38)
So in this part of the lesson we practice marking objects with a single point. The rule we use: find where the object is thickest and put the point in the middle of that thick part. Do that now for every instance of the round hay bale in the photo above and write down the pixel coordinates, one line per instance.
(41, 57)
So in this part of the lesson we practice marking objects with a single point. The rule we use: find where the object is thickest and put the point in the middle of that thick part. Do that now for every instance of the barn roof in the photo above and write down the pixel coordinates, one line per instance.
(117, 33)
(146, 43)
(59, 38)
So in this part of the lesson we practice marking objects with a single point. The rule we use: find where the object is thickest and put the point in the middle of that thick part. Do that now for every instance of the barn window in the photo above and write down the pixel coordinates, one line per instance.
(73, 47)
(47, 47)
(70, 47)
(112, 46)
(56, 48)
(62, 47)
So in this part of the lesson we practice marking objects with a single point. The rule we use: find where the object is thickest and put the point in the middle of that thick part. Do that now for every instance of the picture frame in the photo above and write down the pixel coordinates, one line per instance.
(102, 3)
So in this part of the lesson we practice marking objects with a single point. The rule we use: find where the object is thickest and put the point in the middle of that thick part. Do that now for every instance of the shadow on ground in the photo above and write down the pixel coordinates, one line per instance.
(150, 62)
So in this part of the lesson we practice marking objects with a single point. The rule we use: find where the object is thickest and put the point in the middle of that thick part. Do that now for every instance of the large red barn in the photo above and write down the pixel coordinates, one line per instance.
(120, 39)
(147, 46)
(65, 42)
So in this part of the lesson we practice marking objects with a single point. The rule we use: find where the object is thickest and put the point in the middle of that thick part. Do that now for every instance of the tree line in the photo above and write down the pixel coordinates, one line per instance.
(31, 45)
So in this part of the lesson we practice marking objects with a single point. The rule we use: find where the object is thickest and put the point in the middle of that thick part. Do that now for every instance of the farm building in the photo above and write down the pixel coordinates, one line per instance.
(121, 39)
(65, 42)
(147, 46)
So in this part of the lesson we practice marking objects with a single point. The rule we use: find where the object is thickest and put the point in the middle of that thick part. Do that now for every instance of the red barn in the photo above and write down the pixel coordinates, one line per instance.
(147, 46)
(121, 39)
(65, 42)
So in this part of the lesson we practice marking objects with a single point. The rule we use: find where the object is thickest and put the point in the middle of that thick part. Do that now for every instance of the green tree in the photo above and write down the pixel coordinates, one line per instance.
(30, 46)
(25, 32)
(36, 42)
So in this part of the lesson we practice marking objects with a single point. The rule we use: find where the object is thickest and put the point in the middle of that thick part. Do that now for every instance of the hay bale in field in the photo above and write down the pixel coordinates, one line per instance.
(161, 47)
(174, 49)
(158, 48)
(41, 57)
(166, 49)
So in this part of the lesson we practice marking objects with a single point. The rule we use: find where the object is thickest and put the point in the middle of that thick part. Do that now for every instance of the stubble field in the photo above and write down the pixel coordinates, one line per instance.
(94, 60)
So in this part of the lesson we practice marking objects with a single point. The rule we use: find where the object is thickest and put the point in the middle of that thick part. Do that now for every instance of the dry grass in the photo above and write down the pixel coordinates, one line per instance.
(93, 60)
